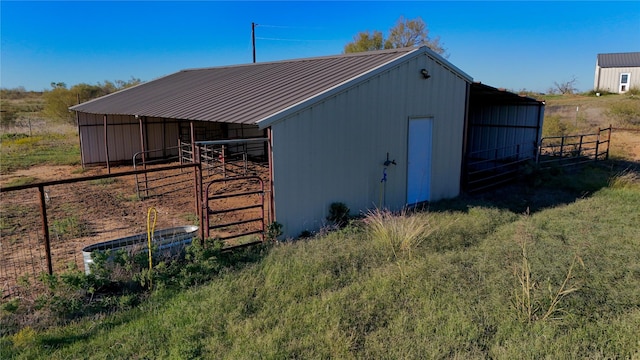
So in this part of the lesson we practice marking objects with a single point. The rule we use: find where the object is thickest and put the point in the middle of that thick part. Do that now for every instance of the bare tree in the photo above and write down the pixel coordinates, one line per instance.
(567, 87)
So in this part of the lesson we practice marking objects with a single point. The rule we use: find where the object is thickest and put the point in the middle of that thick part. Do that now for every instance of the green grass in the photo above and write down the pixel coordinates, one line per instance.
(21, 152)
(452, 292)
(21, 180)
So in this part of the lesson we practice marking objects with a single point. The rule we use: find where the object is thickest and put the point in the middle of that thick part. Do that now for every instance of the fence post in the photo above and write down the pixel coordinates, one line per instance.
(597, 145)
(45, 230)
(224, 166)
(562, 147)
(580, 146)
(608, 143)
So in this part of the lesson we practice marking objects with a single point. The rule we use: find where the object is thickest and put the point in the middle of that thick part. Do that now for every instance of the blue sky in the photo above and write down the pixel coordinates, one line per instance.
(514, 45)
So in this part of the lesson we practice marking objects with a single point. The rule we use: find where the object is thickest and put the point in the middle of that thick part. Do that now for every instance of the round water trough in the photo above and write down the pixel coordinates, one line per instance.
(167, 240)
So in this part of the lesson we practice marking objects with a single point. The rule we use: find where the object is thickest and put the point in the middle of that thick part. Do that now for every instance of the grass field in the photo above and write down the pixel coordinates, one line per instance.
(483, 281)
(547, 268)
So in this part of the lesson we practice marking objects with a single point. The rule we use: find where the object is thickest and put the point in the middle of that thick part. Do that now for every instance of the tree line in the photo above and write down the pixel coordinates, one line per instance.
(54, 103)
(405, 33)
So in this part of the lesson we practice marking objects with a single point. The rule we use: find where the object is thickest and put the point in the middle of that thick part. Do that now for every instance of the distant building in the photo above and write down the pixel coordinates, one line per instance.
(617, 72)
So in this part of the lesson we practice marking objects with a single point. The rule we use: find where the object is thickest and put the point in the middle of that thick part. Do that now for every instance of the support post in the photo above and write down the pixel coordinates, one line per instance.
(79, 138)
(144, 158)
(193, 142)
(597, 145)
(253, 40)
(45, 230)
(272, 211)
(608, 143)
(106, 144)
(580, 146)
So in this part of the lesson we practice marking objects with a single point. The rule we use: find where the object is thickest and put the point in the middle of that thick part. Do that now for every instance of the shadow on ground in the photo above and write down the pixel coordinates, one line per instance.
(543, 188)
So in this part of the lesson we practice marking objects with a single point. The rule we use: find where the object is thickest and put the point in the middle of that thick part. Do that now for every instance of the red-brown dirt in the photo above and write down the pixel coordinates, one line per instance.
(88, 212)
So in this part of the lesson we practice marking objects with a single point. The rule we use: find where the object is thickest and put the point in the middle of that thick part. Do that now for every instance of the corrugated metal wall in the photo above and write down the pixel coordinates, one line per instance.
(123, 134)
(334, 150)
(608, 79)
(160, 136)
(495, 129)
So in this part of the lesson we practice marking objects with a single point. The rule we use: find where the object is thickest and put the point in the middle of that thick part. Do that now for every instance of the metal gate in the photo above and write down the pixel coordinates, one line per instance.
(234, 210)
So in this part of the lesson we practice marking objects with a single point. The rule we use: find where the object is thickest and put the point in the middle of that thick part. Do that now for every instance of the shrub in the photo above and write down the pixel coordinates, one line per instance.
(339, 214)
(554, 126)
(634, 91)
(625, 112)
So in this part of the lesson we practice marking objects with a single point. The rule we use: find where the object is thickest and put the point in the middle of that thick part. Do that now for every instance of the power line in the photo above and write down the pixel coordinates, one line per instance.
(290, 27)
(282, 39)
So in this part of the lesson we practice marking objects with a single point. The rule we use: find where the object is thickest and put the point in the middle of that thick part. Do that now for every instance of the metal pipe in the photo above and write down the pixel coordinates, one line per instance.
(230, 141)
(45, 229)
(93, 177)
(272, 209)
(608, 143)
(106, 143)
(144, 162)
(82, 162)
(253, 40)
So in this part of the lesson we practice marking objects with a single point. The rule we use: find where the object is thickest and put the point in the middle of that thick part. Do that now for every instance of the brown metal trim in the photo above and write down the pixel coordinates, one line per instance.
(106, 143)
(97, 177)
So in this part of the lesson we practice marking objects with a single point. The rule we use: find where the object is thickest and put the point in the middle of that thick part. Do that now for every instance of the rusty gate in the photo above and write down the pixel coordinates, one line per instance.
(234, 210)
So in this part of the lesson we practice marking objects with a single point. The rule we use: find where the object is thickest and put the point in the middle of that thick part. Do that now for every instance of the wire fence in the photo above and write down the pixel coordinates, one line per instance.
(48, 227)
(45, 227)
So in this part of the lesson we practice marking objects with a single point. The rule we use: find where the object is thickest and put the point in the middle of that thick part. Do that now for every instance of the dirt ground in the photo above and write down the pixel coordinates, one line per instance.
(89, 212)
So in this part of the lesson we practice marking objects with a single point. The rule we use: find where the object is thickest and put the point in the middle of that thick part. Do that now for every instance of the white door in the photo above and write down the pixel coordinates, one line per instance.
(624, 82)
(419, 160)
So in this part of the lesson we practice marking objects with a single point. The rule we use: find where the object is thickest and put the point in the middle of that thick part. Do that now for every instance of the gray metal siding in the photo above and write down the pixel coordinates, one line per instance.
(123, 136)
(334, 150)
(160, 134)
(494, 130)
(608, 79)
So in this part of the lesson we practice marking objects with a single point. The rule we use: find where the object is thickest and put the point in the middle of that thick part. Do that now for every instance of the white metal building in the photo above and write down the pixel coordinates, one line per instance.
(617, 72)
(374, 129)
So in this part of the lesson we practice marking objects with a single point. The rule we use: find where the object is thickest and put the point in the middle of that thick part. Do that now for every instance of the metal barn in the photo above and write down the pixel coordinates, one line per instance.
(374, 129)
(617, 72)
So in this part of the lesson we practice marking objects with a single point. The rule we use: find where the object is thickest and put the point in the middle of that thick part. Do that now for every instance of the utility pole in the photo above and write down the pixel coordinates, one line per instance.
(253, 39)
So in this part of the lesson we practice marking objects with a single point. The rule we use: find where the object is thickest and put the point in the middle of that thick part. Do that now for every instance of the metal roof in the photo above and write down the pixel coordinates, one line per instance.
(630, 59)
(485, 94)
(244, 93)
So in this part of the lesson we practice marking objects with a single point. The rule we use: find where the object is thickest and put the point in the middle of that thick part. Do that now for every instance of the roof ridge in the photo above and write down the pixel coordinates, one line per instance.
(322, 57)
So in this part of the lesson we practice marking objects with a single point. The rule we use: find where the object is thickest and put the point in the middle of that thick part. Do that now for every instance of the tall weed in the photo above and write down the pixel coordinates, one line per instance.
(529, 301)
(626, 179)
(397, 234)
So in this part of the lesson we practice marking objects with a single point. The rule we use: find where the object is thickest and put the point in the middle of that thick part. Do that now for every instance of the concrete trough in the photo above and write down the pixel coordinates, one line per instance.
(170, 240)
